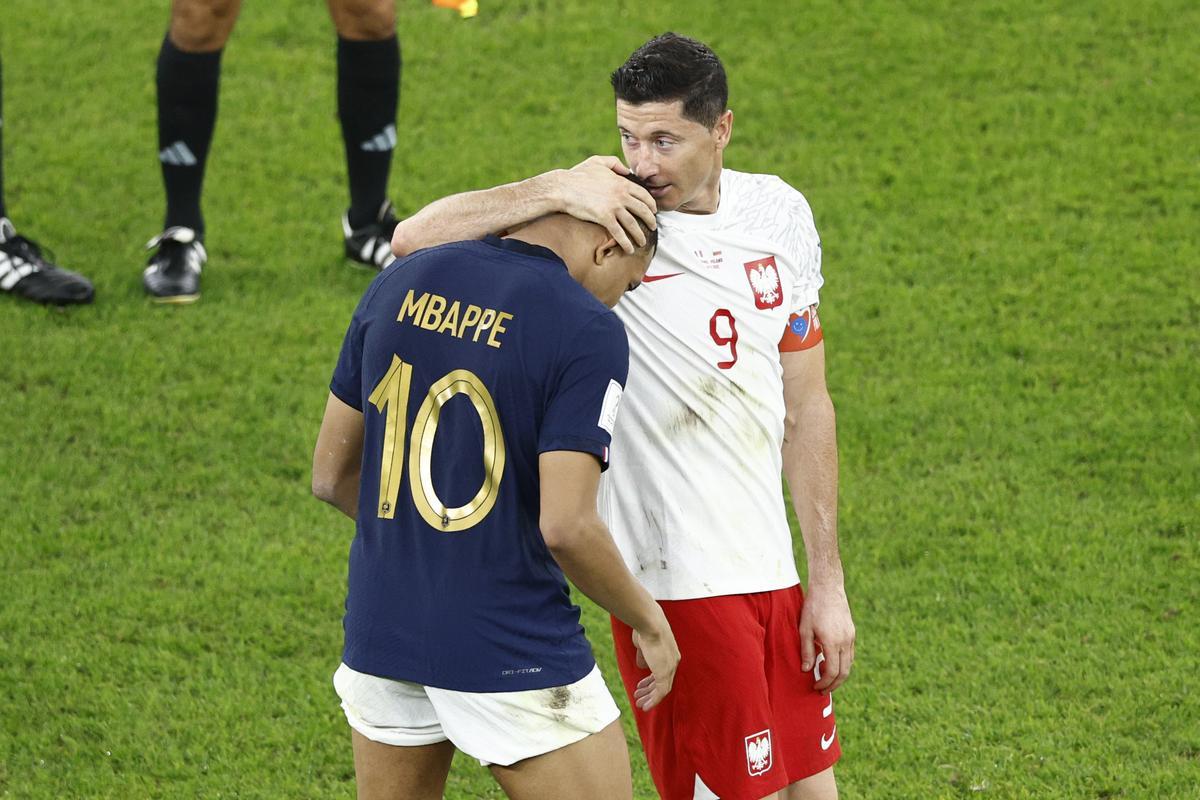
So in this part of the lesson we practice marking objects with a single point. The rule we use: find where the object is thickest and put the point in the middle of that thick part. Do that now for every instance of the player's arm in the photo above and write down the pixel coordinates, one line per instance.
(592, 191)
(583, 547)
(810, 465)
(337, 459)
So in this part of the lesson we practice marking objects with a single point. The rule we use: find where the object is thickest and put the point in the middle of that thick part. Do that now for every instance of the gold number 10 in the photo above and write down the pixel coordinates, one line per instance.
(392, 393)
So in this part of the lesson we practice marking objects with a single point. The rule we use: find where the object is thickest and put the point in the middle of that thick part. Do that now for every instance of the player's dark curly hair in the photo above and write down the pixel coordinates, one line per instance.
(671, 67)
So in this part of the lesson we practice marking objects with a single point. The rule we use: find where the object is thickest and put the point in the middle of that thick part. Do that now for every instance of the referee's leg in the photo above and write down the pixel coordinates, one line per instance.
(187, 78)
(202, 26)
(364, 20)
(368, 96)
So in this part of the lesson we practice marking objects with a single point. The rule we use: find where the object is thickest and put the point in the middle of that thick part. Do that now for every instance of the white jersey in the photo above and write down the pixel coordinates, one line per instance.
(695, 499)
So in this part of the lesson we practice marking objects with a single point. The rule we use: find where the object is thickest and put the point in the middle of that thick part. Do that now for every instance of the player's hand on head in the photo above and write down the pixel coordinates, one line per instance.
(607, 162)
(595, 190)
(827, 637)
(658, 653)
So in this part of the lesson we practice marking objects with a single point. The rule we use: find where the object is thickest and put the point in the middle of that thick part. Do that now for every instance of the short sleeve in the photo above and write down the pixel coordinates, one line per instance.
(346, 383)
(804, 253)
(806, 289)
(582, 403)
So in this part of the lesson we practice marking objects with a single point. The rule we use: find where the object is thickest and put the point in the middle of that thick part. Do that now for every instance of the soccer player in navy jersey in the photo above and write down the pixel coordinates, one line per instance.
(468, 421)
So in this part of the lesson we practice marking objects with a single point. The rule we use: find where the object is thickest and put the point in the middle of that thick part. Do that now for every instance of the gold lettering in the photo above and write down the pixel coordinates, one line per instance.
(433, 314)
(498, 328)
(450, 320)
(485, 322)
(409, 308)
(470, 317)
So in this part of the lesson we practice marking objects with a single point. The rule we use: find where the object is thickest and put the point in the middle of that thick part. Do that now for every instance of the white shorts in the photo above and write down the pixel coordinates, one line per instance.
(495, 727)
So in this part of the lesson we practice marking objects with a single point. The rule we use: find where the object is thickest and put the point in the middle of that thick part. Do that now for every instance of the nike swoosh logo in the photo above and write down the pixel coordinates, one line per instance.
(827, 743)
(652, 278)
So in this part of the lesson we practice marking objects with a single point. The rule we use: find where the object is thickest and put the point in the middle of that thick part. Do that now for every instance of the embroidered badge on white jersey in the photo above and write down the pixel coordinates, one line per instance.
(764, 280)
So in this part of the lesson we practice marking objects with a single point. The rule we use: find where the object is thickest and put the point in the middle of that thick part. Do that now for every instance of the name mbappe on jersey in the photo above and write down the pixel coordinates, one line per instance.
(468, 361)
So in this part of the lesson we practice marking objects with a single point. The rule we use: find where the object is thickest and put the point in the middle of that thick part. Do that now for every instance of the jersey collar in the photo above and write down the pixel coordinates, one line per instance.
(523, 248)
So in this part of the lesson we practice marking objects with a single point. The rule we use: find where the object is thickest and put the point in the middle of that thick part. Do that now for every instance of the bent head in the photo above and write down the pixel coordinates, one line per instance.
(613, 272)
(592, 256)
(602, 267)
(673, 119)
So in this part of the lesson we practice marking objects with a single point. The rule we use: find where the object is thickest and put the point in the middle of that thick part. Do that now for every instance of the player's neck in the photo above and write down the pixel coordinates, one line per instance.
(545, 232)
(707, 200)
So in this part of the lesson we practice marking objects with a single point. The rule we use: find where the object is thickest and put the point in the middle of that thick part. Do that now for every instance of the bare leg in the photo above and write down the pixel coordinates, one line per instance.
(363, 20)
(594, 768)
(386, 772)
(821, 786)
(202, 26)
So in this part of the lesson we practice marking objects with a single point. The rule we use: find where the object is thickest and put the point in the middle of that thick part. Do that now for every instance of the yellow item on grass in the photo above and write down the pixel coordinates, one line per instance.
(466, 8)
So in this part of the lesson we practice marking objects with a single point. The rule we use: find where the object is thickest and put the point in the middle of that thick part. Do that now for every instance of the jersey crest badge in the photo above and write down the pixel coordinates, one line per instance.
(758, 752)
(764, 280)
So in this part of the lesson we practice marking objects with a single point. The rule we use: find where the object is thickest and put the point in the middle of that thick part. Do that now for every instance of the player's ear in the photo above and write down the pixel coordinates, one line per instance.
(723, 129)
(608, 247)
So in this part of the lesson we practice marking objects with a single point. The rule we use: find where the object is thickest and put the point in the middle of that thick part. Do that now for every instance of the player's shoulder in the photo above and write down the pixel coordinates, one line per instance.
(402, 270)
(543, 286)
(466, 260)
(584, 318)
(582, 322)
(750, 187)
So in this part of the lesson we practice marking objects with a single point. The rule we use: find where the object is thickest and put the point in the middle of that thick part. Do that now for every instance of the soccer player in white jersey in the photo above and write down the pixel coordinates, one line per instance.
(726, 392)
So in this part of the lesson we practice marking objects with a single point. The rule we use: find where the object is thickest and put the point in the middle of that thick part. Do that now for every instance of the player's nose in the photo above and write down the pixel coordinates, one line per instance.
(644, 166)
(647, 167)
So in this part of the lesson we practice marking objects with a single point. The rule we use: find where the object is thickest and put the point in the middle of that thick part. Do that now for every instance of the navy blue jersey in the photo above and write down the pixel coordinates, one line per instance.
(467, 361)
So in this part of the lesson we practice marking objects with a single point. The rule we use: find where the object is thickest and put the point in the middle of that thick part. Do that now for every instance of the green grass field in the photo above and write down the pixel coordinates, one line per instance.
(1008, 194)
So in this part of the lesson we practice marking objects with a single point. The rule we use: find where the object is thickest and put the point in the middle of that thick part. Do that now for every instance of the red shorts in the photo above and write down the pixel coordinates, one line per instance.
(742, 719)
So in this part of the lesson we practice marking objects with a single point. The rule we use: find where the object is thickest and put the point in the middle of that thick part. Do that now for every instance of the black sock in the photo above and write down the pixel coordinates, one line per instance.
(3, 212)
(187, 113)
(368, 92)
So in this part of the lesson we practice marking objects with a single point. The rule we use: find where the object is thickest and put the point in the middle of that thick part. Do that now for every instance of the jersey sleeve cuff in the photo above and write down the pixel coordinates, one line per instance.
(350, 398)
(805, 298)
(576, 444)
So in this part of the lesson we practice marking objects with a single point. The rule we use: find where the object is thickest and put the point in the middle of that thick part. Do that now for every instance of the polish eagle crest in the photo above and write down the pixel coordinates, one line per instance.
(758, 752)
(763, 275)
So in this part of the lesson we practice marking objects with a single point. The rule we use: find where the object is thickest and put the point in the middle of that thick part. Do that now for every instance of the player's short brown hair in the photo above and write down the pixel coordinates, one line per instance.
(671, 67)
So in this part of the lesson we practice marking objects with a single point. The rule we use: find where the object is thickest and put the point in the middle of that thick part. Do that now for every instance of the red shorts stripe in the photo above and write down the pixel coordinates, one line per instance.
(742, 716)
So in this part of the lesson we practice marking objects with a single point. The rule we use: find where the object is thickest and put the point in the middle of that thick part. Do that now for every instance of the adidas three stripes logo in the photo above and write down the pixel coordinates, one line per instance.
(381, 142)
(180, 155)
(177, 155)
